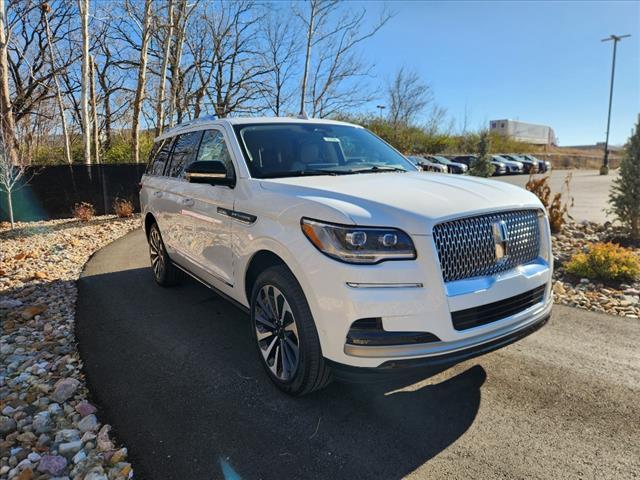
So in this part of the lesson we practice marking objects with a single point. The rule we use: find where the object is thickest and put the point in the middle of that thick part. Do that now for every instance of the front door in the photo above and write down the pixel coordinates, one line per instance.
(205, 210)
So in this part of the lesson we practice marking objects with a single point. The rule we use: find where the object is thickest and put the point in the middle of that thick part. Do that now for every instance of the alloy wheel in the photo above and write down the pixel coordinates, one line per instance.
(277, 332)
(156, 251)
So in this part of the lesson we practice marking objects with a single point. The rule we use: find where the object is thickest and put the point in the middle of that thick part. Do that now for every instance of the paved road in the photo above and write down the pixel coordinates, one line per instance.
(177, 376)
(589, 189)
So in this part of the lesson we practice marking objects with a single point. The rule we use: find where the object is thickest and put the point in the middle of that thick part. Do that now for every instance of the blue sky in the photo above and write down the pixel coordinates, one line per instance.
(541, 62)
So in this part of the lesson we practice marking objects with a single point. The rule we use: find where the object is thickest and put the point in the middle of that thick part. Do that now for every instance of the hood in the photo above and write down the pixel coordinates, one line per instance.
(411, 201)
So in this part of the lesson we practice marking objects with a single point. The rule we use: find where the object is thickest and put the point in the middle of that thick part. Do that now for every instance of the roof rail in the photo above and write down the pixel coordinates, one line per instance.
(195, 121)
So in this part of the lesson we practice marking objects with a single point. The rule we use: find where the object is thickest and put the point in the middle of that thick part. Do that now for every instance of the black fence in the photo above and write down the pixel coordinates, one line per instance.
(53, 191)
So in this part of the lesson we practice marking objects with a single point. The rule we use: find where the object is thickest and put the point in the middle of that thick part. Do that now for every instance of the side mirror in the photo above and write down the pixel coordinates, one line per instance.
(213, 173)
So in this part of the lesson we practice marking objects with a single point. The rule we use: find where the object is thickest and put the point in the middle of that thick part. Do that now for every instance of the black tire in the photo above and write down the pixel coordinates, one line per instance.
(165, 273)
(311, 372)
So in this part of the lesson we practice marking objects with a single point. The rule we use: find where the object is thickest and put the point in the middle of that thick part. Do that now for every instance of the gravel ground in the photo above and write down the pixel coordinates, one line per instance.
(48, 428)
(623, 299)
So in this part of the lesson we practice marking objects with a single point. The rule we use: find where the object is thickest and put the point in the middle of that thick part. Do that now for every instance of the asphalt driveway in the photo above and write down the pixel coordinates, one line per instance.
(175, 373)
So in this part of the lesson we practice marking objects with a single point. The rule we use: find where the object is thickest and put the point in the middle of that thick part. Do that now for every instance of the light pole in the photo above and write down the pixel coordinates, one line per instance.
(604, 170)
(380, 108)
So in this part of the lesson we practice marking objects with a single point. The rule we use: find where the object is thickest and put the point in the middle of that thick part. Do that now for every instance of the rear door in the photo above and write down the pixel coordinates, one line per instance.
(176, 196)
(207, 212)
(155, 184)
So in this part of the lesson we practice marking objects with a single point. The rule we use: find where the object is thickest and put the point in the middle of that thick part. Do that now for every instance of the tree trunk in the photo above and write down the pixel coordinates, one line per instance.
(6, 106)
(142, 78)
(10, 204)
(163, 70)
(307, 57)
(177, 57)
(94, 111)
(63, 120)
(83, 6)
(107, 120)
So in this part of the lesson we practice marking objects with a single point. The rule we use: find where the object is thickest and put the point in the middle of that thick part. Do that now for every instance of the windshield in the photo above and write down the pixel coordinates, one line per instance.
(299, 149)
(441, 159)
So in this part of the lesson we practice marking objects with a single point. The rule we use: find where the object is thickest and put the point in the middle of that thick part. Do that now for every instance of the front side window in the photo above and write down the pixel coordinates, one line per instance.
(159, 156)
(297, 149)
(183, 153)
(214, 148)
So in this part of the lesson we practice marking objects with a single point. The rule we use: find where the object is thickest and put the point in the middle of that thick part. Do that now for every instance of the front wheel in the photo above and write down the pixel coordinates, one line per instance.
(285, 333)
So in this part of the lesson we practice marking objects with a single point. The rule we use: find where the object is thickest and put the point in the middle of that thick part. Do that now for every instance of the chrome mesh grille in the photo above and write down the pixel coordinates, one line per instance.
(466, 247)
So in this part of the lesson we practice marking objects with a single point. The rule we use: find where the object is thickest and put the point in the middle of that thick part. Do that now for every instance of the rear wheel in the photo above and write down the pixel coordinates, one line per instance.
(164, 272)
(285, 333)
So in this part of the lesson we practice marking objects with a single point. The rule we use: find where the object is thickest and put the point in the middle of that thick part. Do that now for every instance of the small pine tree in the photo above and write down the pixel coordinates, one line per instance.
(624, 197)
(482, 167)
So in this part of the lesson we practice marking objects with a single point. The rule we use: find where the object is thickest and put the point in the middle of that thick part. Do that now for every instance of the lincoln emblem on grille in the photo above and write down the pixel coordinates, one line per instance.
(500, 238)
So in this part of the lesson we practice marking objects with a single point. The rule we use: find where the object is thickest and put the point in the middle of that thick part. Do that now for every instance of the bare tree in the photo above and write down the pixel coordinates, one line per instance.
(94, 110)
(313, 20)
(166, 50)
(145, 30)
(182, 16)
(46, 9)
(408, 96)
(336, 67)
(83, 8)
(7, 126)
(111, 74)
(13, 174)
(237, 70)
(279, 56)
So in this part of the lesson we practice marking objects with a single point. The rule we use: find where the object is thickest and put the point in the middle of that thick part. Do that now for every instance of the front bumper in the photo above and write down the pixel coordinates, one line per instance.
(437, 363)
(411, 296)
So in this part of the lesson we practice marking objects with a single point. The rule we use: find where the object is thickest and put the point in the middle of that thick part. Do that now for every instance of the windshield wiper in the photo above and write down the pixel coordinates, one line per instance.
(299, 173)
(377, 169)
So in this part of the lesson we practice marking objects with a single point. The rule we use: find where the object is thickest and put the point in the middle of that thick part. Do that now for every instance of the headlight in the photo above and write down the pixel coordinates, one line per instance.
(353, 244)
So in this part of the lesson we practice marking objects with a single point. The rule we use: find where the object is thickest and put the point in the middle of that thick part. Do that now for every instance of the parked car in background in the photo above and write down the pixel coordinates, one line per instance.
(543, 165)
(427, 165)
(499, 167)
(511, 167)
(528, 166)
(453, 167)
(346, 258)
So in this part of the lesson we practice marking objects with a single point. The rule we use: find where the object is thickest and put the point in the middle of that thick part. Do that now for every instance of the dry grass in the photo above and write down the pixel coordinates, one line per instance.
(556, 206)
(83, 211)
(123, 208)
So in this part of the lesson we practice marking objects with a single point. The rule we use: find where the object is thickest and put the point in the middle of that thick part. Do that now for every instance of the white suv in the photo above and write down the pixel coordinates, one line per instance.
(347, 257)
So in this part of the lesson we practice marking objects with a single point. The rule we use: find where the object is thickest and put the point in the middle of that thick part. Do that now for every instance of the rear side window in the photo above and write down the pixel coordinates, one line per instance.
(158, 157)
(184, 151)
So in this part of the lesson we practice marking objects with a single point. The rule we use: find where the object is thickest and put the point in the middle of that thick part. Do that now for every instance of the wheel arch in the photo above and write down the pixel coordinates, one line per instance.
(149, 220)
(260, 261)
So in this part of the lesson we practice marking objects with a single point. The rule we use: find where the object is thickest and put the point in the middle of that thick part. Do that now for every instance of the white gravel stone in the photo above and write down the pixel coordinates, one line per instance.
(39, 363)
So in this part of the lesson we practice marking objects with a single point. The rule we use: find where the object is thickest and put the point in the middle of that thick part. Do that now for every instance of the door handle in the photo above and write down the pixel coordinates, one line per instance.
(157, 194)
(188, 202)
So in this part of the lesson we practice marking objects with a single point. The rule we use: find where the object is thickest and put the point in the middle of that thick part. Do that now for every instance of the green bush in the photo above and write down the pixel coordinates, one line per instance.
(625, 192)
(482, 167)
(605, 261)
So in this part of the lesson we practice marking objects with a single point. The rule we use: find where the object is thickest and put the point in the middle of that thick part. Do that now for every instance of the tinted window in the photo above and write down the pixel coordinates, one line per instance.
(213, 147)
(184, 150)
(158, 157)
(273, 150)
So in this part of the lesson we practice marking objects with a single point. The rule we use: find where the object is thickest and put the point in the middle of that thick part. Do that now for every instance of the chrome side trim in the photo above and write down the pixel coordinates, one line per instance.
(434, 349)
(242, 217)
(384, 285)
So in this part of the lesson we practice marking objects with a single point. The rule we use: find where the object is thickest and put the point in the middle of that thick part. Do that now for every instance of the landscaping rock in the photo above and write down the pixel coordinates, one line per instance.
(65, 389)
(45, 415)
(88, 423)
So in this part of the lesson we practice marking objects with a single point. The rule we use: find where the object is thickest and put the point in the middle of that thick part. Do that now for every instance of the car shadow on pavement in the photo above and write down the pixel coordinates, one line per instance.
(177, 375)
